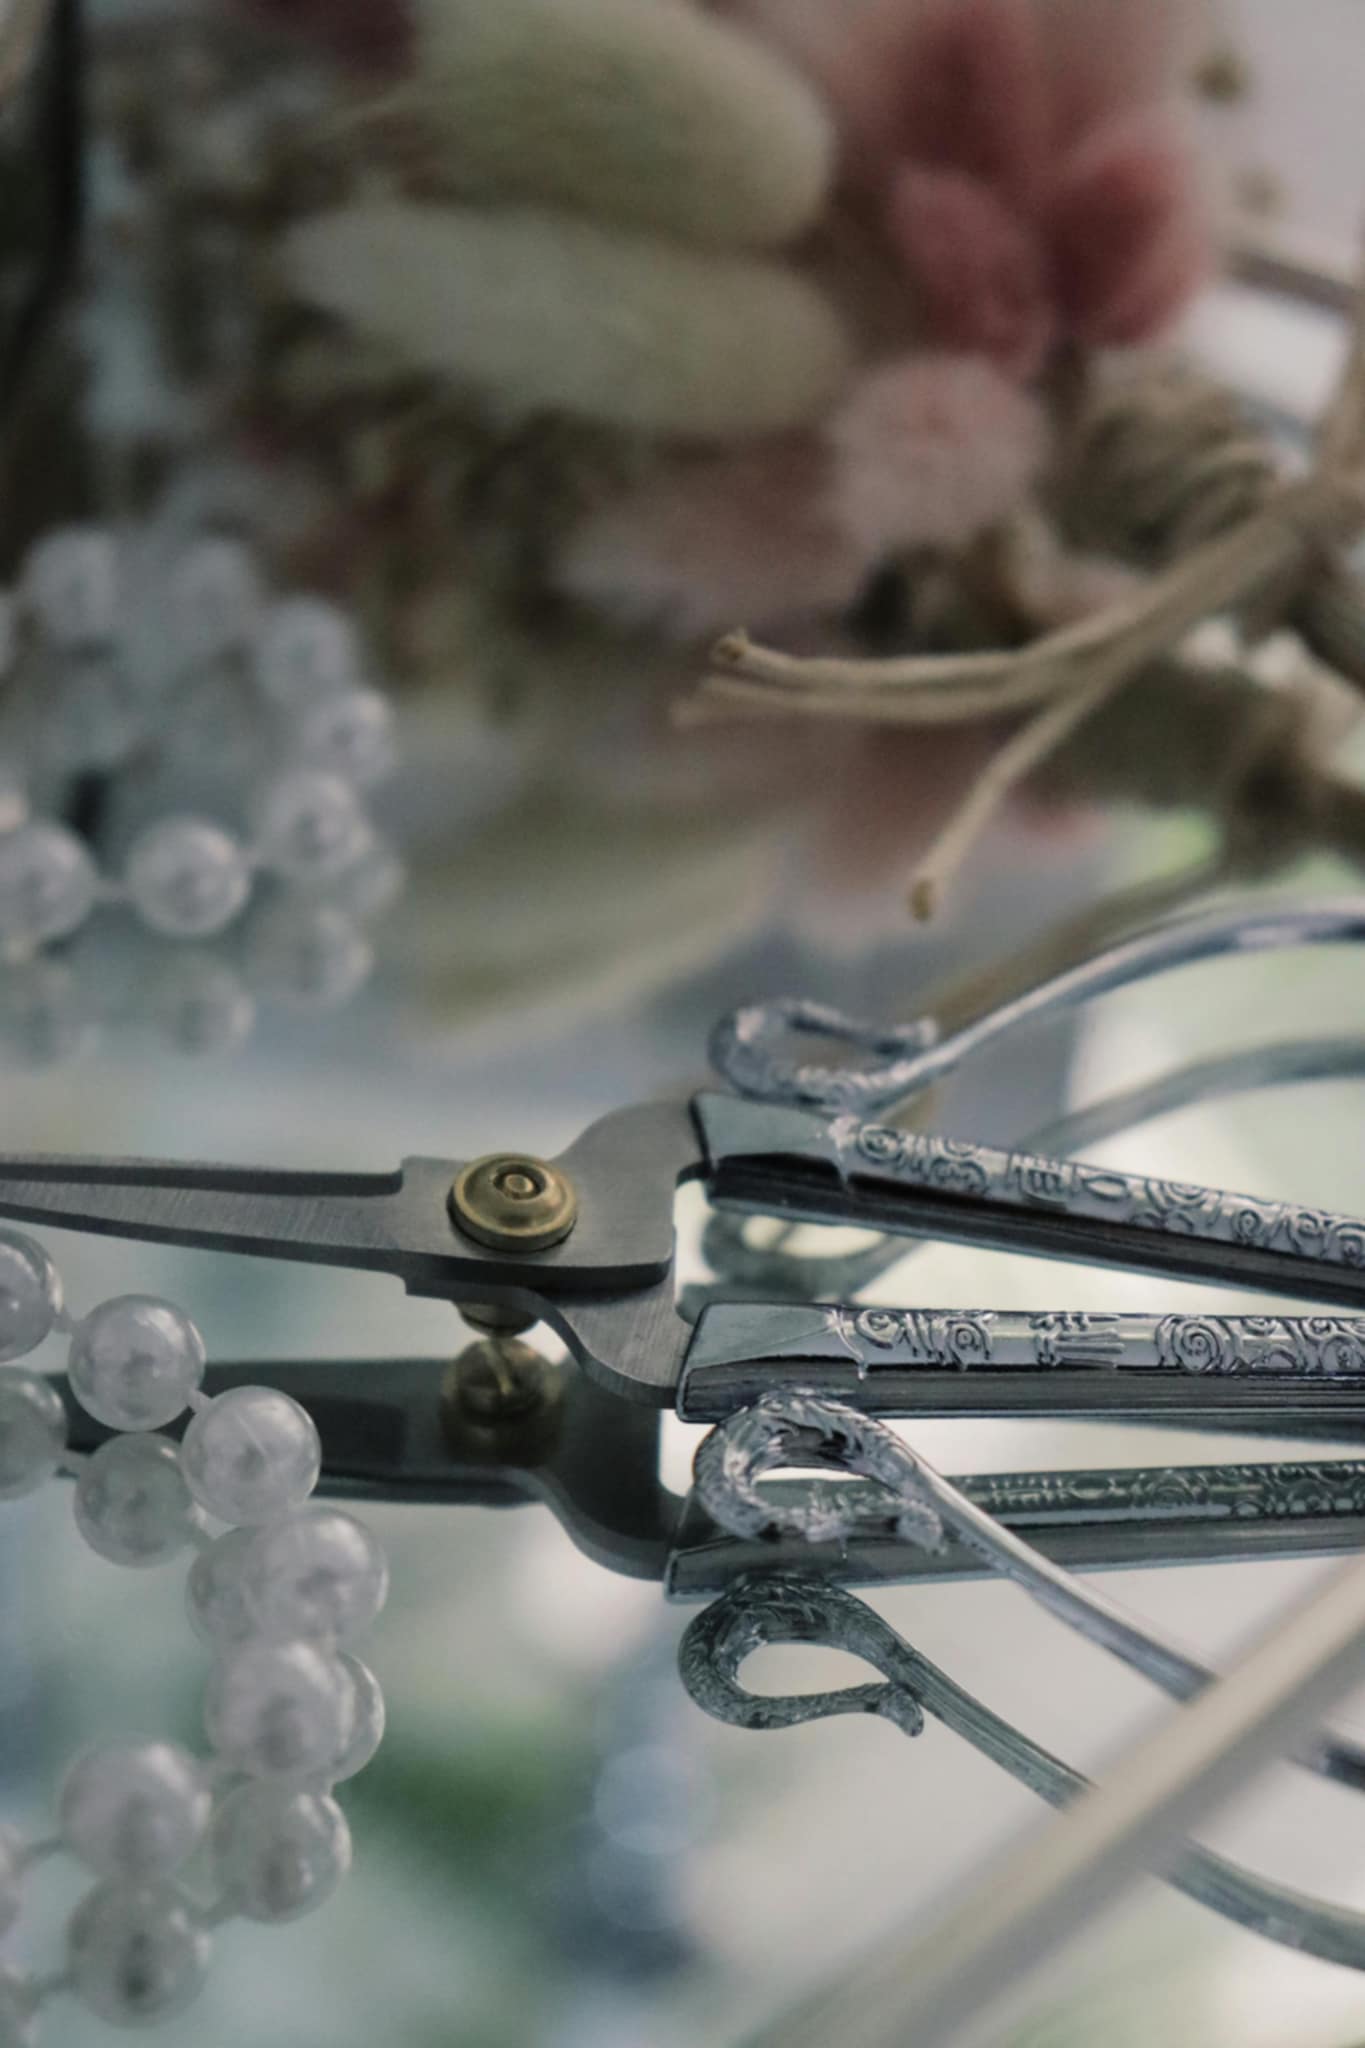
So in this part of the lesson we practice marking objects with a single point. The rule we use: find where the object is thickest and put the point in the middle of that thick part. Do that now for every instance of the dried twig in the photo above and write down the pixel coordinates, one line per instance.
(1071, 672)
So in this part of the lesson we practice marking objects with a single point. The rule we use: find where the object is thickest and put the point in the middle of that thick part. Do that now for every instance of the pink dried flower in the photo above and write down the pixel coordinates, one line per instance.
(1025, 157)
(927, 452)
(720, 541)
(930, 452)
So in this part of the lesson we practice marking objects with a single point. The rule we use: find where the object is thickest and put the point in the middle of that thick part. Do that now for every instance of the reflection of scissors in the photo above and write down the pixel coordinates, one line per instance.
(585, 1244)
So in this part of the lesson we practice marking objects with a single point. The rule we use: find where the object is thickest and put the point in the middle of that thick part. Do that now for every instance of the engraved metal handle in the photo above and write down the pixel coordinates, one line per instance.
(788, 1163)
(926, 1361)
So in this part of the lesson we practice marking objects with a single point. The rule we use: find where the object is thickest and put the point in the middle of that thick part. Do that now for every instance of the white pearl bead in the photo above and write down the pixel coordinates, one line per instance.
(320, 1573)
(136, 1362)
(367, 1729)
(199, 1005)
(307, 649)
(132, 1505)
(215, 599)
(279, 1708)
(48, 884)
(251, 1455)
(187, 877)
(30, 1295)
(277, 1859)
(350, 735)
(72, 582)
(310, 826)
(134, 1810)
(136, 1953)
(18, 2010)
(308, 956)
(32, 1432)
(213, 1592)
(13, 1860)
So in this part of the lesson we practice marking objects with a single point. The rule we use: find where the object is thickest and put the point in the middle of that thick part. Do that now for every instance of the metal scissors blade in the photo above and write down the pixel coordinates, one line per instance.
(626, 1168)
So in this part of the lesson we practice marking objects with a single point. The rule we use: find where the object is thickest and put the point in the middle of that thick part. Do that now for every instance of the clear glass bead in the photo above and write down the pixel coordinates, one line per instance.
(13, 1859)
(134, 1810)
(30, 1295)
(132, 1504)
(350, 735)
(187, 878)
(215, 599)
(136, 1953)
(319, 1573)
(308, 648)
(310, 826)
(279, 1708)
(251, 1455)
(135, 1362)
(18, 2010)
(214, 1598)
(32, 1432)
(92, 718)
(199, 1005)
(71, 578)
(48, 884)
(308, 956)
(277, 1859)
(367, 1723)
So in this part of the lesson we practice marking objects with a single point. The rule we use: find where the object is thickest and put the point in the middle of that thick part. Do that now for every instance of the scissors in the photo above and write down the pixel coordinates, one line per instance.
(585, 1244)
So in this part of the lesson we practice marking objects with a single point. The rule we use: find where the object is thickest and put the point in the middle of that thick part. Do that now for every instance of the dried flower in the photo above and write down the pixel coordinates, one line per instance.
(655, 115)
(928, 452)
(536, 312)
(1025, 157)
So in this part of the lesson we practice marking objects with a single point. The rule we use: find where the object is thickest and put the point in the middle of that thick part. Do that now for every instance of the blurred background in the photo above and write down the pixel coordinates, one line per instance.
(541, 345)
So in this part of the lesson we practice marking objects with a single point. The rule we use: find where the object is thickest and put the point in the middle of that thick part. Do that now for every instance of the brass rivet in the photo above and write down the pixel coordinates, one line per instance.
(513, 1204)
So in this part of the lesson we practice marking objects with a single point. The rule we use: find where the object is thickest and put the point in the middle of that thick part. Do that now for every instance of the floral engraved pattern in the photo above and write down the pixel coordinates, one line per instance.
(962, 1340)
(1328, 1347)
(1022, 1180)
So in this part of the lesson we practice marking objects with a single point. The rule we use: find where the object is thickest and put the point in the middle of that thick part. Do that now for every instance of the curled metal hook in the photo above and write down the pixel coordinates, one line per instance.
(744, 1051)
(770, 1609)
(905, 1059)
(909, 1495)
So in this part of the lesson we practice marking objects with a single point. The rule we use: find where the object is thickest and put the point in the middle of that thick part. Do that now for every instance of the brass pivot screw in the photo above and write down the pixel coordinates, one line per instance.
(501, 1403)
(513, 1203)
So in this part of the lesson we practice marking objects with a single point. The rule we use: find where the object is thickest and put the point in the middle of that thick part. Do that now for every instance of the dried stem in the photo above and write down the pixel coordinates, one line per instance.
(1016, 759)
(1071, 672)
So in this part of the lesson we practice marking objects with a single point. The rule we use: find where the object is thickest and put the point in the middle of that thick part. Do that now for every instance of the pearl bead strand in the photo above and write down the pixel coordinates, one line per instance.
(192, 672)
(280, 1595)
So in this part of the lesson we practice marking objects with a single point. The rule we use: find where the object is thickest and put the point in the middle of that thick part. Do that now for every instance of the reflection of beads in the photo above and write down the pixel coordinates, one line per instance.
(288, 1707)
(137, 1954)
(251, 1456)
(277, 1858)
